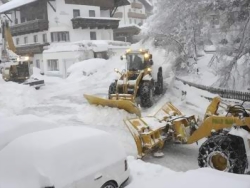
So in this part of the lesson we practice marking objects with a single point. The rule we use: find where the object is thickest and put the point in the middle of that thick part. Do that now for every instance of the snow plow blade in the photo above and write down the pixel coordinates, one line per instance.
(121, 104)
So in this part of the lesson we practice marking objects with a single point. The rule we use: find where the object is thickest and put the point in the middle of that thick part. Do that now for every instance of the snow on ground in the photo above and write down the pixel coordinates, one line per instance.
(147, 175)
(206, 74)
(62, 102)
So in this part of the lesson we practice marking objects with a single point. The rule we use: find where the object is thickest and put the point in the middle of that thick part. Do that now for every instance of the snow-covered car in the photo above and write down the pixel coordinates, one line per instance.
(64, 157)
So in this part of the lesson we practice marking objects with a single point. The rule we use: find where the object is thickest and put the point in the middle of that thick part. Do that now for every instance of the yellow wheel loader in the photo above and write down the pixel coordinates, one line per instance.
(227, 144)
(136, 85)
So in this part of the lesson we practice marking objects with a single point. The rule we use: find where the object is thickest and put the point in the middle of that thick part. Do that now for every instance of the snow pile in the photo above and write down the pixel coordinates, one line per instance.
(14, 127)
(147, 175)
(57, 157)
(85, 68)
(15, 97)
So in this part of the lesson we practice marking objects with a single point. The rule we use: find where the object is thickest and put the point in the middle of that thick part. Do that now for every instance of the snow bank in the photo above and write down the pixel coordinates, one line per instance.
(148, 175)
(14, 127)
(85, 68)
(57, 157)
(15, 97)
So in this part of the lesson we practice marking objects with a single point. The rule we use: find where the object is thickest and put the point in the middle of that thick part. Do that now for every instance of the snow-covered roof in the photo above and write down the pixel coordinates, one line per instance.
(95, 45)
(99, 18)
(14, 4)
(130, 25)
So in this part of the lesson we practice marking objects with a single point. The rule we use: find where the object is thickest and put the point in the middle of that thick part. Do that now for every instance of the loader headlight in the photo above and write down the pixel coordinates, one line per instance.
(146, 56)
(149, 69)
(128, 50)
(26, 77)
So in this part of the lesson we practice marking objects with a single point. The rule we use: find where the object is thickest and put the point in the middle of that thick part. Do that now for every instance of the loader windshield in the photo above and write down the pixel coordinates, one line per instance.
(135, 62)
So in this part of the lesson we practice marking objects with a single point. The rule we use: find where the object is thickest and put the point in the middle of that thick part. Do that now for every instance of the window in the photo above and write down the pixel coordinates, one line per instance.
(92, 35)
(38, 63)
(16, 21)
(35, 38)
(17, 41)
(53, 65)
(25, 40)
(91, 13)
(22, 19)
(45, 38)
(76, 13)
(60, 36)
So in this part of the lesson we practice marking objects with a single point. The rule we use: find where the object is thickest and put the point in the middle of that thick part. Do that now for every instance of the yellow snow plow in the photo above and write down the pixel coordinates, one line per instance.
(118, 103)
(225, 149)
(136, 85)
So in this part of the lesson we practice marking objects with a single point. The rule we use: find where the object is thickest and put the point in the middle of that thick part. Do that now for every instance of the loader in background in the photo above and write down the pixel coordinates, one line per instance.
(227, 144)
(15, 70)
(136, 85)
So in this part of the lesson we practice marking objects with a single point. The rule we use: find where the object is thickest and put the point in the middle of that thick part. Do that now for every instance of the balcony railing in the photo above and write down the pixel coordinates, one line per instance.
(136, 5)
(30, 27)
(136, 15)
(30, 49)
(100, 23)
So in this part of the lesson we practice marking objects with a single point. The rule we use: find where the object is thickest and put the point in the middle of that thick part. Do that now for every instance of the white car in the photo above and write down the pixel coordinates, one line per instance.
(65, 157)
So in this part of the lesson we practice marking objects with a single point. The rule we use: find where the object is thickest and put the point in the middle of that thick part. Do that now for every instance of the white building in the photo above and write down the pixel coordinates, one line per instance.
(37, 23)
(134, 13)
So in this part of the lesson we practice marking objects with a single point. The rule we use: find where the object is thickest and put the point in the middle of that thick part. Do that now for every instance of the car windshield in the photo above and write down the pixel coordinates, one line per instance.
(135, 62)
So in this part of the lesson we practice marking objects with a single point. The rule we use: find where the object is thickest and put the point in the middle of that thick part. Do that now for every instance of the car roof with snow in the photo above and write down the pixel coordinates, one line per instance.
(57, 157)
(14, 127)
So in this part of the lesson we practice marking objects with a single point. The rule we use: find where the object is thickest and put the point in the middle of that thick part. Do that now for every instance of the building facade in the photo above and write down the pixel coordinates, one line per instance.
(38, 23)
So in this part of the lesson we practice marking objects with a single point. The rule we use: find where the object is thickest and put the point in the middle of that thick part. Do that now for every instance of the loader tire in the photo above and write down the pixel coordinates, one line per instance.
(146, 95)
(225, 153)
(112, 89)
(159, 83)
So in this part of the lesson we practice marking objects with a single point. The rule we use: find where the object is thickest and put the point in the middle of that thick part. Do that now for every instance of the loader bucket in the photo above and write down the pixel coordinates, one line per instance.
(121, 104)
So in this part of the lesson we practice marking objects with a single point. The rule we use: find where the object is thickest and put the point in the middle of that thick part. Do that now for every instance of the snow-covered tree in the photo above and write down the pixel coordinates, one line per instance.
(185, 25)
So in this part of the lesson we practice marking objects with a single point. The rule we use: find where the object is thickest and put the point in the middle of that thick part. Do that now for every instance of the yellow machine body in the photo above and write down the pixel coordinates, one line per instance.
(123, 98)
(121, 104)
(169, 124)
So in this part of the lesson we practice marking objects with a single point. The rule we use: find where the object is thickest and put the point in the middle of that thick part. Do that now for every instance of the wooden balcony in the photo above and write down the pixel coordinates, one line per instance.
(30, 49)
(136, 15)
(29, 27)
(136, 5)
(100, 23)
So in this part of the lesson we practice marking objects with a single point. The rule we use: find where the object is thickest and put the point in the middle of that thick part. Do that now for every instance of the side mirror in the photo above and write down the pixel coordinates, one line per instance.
(151, 62)
(117, 71)
(121, 57)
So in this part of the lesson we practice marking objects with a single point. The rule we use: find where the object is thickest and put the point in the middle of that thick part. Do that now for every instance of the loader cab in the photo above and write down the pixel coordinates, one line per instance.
(19, 72)
(138, 60)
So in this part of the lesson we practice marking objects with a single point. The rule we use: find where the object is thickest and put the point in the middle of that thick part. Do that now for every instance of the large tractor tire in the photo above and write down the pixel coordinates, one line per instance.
(225, 153)
(112, 89)
(146, 94)
(159, 83)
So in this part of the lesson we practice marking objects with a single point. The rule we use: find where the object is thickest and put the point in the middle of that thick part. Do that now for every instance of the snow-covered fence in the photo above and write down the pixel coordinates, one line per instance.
(224, 93)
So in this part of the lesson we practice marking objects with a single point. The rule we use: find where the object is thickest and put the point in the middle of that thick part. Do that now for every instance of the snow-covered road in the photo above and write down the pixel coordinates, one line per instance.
(62, 101)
